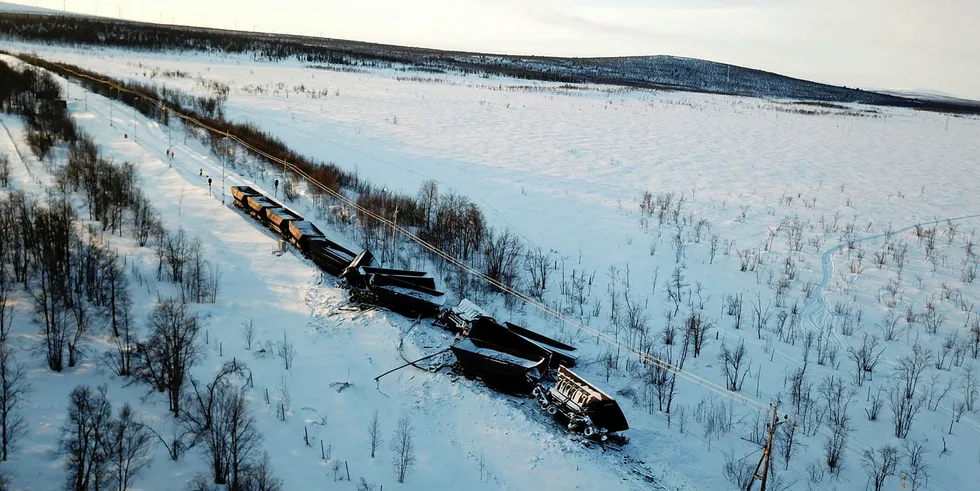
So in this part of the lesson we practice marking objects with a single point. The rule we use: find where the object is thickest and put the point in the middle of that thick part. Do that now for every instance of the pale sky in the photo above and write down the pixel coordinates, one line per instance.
(874, 44)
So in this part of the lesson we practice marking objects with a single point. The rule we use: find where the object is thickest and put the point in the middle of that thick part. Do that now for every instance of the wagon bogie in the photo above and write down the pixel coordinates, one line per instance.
(582, 405)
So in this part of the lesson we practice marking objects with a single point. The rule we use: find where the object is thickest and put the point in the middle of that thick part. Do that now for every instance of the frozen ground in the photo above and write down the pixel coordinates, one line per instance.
(566, 168)
(456, 425)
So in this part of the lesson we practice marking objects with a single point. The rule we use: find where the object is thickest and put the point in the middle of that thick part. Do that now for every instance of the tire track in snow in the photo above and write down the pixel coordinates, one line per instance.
(818, 315)
(815, 310)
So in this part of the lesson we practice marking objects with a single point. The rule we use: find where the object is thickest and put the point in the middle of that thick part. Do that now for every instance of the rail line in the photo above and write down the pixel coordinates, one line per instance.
(645, 357)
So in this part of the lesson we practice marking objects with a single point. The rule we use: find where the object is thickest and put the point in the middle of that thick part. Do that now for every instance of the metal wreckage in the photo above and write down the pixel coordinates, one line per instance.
(506, 357)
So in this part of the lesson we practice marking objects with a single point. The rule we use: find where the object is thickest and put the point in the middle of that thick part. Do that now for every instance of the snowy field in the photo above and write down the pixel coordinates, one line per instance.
(803, 206)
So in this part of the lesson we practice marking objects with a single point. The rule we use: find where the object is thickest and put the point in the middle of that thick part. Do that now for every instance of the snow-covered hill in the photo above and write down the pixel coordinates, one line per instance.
(650, 72)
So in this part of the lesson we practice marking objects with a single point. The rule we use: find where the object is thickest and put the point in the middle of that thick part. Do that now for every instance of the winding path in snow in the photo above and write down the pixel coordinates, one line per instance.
(816, 313)
(815, 310)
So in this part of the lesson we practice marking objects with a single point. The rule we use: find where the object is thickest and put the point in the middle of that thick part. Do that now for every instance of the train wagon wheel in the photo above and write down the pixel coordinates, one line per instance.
(589, 431)
(536, 391)
(551, 409)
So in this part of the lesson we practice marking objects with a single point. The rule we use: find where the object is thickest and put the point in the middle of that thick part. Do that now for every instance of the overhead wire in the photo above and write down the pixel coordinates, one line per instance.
(644, 357)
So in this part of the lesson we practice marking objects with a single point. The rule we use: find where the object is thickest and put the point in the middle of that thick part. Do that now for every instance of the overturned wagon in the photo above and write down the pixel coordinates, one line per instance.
(561, 353)
(330, 256)
(359, 277)
(582, 405)
(404, 297)
(502, 359)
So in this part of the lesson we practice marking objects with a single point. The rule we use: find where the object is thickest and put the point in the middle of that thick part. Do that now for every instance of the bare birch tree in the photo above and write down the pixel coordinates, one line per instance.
(403, 447)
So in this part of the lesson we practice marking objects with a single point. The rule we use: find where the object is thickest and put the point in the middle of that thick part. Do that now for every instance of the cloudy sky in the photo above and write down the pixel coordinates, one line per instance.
(875, 44)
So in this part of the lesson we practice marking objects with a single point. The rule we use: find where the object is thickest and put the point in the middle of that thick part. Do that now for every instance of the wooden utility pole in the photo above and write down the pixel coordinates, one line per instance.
(766, 452)
(394, 233)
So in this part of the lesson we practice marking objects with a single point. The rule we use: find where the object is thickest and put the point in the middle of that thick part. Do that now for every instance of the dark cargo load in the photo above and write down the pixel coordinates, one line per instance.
(300, 233)
(279, 219)
(500, 358)
(360, 277)
(240, 193)
(328, 255)
(406, 298)
(585, 406)
(561, 353)
(257, 205)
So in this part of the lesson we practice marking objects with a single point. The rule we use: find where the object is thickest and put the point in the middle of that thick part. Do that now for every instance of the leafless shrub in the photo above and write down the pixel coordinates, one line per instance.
(248, 333)
(290, 190)
(838, 398)
(286, 352)
(363, 485)
(916, 468)
(865, 358)
(217, 415)
(904, 399)
(880, 463)
(936, 392)
(970, 389)
(786, 440)
(13, 390)
(889, 326)
(933, 320)
(40, 143)
(876, 405)
(260, 476)
(165, 359)
(85, 429)
(4, 171)
(738, 471)
(713, 249)
(834, 448)
(374, 433)
(734, 365)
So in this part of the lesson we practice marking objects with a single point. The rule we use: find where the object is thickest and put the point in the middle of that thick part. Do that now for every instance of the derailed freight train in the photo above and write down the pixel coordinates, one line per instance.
(506, 357)
(407, 292)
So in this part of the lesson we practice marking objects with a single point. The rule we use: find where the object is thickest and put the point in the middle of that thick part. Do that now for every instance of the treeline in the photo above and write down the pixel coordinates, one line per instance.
(449, 221)
(72, 30)
(31, 95)
(79, 287)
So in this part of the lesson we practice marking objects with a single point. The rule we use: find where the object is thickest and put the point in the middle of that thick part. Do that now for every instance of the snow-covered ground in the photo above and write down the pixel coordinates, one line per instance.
(566, 168)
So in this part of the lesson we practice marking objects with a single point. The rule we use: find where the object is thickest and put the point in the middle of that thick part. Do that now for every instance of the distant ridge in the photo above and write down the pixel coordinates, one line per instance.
(652, 72)
(27, 9)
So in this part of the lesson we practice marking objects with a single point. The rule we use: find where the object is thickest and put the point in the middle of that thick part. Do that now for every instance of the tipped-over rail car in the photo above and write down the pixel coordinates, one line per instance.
(406, 298)
(459, 318)
(582, 405)
(561, 353)
(500, 358)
